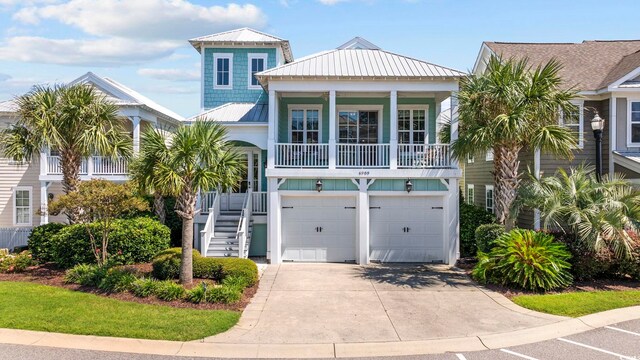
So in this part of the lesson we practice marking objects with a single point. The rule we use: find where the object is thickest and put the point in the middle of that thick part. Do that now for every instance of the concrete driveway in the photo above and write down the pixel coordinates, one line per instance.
(341, 303)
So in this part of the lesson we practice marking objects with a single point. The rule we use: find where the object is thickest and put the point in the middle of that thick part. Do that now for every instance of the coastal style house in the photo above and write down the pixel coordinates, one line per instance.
(26, 188)
(343, 160)
(607, 76)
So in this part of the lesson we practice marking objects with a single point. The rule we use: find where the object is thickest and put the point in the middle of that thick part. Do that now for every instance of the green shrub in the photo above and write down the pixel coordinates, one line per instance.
(207, 268)
(40, 241)
(144, 287)
(234, 281)
(117, 279)
(198, 294)
(486, 234)
(168, 290)
(14, 263)
(525, 259)
(471, 217)
(130, 241)
(224, 294)
(86, 275)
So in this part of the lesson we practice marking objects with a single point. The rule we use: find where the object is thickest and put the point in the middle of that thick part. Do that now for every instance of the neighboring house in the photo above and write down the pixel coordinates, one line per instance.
(343, 163)
(26, 188)
(607, 76)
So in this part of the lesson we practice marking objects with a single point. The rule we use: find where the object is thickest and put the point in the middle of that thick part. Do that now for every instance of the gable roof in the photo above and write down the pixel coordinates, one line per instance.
(358, 43)
(249, 113)
(243, 36)
(589, 65)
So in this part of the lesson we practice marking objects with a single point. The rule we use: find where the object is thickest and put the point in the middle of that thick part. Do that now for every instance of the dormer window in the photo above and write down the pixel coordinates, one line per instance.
(223, 71)
(257, 63)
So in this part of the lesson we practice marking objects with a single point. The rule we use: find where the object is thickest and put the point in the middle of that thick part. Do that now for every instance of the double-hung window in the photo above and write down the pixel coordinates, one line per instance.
(412, 125)
(575, 123)
(488, 198)
(304, 125)
(223, 71)
(471, 194)
(257, 63)
(633, 127)
(22, 206)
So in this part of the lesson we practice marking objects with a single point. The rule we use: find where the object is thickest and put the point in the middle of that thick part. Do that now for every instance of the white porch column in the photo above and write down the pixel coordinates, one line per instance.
(43, 162)
(613, 135)
(44, 202)
(274, 244)
(250, 169)
(452, 224)
(536, 173)
(90, 165)
(393, 132)
(273, 131)
(454, 126)
(363, 223)
(332, 129)
(136, 134)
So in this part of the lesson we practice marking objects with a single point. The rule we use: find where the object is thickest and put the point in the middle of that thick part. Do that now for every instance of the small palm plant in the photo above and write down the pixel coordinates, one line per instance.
(601, 215)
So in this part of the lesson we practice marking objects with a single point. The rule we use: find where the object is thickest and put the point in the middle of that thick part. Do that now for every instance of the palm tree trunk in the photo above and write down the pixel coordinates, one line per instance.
(506, 179)
(70, 164)
(158, 207)
(186, 209)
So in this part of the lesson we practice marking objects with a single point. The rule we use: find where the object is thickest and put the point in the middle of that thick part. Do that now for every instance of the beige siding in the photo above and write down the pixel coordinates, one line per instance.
(628, 174)
(479, 174)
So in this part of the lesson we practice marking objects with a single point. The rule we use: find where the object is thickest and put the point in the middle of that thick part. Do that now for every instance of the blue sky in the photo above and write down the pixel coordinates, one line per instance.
(142, 43)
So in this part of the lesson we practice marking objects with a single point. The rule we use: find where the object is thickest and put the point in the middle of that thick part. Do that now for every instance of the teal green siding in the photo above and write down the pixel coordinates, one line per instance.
(327, 185)
(258, 245)
(399, 185)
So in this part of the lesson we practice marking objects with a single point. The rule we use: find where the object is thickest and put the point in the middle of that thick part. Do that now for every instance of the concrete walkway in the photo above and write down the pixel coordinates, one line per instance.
(342, 303)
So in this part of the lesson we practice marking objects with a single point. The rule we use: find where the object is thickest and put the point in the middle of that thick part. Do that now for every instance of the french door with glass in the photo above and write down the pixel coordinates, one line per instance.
(357, 136)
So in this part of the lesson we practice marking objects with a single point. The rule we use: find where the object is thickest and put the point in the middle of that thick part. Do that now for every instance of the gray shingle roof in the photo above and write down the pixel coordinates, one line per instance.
(589, 65)
(236, 113)
(243, 36)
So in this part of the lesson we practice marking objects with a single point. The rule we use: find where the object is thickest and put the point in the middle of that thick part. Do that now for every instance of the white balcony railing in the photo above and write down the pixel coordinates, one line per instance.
(259, 202)
(302, 155)
(363, 156)
(424, 156)
(99, 165)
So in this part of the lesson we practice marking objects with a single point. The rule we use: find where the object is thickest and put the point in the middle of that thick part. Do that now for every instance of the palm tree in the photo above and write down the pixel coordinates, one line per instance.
(75, 120)
(196, 158)
(508, 108)
(602, 214)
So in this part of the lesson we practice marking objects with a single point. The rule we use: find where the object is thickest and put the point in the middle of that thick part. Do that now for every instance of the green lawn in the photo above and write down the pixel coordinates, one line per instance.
(32, 306)
(576, 304)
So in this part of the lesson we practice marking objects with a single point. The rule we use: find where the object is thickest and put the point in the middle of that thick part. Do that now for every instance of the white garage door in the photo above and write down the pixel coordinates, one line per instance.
(406, 229)
(319, 228)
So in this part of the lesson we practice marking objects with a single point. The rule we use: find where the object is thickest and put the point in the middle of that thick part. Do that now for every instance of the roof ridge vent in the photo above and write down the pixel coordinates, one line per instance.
(358, 43)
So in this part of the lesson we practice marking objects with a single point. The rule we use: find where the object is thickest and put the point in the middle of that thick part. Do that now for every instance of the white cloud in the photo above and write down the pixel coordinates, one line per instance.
(146, 19)
(331, 2)
(171, 74)
(99, 52)
(178, 90)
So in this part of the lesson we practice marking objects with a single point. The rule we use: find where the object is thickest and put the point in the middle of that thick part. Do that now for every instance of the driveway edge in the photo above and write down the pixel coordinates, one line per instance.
(230, 350)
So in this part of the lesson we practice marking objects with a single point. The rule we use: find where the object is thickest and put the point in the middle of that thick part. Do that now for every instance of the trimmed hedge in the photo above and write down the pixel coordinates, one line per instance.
(40, 241)
(471, 217)
(131, 241)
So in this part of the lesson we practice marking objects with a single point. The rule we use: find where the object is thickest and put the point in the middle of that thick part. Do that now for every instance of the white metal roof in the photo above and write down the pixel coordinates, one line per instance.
(243, 36)
(236, 113)
(8, 106)
(359, 63)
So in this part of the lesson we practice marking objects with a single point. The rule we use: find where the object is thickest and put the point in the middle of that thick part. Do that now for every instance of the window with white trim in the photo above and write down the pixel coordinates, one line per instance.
(634, 123)
(471, 194)
(488, 198)
(489, 156)
(22, 206)
(470, 159)
(257, 63)
(223, 71)
(304, 125)
(575, 123)
(412, 125)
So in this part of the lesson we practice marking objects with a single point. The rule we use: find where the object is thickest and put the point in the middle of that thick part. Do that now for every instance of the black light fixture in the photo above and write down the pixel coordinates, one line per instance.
(408, 185)
(597, 125)
(50, 196)
(319, 185)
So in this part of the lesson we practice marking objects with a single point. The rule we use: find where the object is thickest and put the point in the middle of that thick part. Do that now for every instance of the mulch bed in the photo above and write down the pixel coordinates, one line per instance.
(49, 275)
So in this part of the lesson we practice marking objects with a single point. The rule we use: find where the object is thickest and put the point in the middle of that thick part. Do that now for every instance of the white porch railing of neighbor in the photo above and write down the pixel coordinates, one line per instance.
(259, 205)
(95, 165)
(302, 155)
(424, 156)
(206, 201)
(12, 237)
(242, 235)
(363, 156)
(213, 200)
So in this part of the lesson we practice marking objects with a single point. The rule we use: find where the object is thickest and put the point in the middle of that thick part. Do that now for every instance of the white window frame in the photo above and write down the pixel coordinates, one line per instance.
(217, 56)
(29, 189)
(252, 56)
(411, 109)
(304, 108)
(580, 105)
(630, 102)
(489, 155)
(470, 159)
(352, 108)
(491, 208)
(471, 200)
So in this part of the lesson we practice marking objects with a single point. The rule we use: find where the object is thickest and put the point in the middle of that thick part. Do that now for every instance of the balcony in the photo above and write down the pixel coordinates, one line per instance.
(363, 156)
(93, 165)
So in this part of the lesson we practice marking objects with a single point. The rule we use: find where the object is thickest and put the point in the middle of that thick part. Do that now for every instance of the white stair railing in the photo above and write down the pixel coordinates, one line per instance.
(259, 205)
(209, 226)
(243, 226)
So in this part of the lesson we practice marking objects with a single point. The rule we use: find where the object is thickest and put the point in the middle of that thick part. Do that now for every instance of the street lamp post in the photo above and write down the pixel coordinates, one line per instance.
(597, 125)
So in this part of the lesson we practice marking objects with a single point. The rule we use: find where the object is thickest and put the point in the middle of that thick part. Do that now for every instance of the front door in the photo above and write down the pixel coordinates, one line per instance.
(357, 128)
(250, 179)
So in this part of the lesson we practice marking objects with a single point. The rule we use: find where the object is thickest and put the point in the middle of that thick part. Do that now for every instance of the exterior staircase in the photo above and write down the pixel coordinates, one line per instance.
(224, 241)
(227, 233)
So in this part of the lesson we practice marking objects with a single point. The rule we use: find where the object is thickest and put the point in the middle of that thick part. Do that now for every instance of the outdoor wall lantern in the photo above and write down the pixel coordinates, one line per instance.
(597, 125)
(319, 185)
(408, 185)
(50, 196)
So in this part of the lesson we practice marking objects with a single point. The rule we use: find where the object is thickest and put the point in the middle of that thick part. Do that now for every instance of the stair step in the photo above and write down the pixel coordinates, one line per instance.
(222, 253)
(223, 248)
(224, 235)
(222, 241)
(228, 217)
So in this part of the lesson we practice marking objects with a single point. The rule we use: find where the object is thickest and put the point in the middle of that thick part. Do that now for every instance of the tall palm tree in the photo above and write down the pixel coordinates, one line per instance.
(194, 158)
(75, 120)
(602, 214)
(510, 107)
